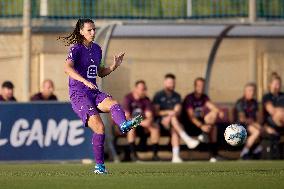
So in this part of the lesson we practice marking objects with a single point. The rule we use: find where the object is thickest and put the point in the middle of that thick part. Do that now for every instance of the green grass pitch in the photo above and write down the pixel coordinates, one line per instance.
(231, 174)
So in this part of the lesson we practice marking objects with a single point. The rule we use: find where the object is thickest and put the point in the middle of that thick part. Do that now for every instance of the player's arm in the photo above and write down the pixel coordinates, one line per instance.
(161, 113)
(117, 60)
(192, 118)
(70, 71)
(259, 117)
(242, 117)
(148, 119)
(269, 107)
(148, 114)
(212, 107)
(126, 107)
(158, 111)
(177, 109)
(127, 115)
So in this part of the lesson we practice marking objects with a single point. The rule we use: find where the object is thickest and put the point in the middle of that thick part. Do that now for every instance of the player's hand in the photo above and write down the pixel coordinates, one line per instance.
(206, 128)
(90, 85)
(117, 60)
(172, 113)
(221, 114)
(166, 121)
(249, 121)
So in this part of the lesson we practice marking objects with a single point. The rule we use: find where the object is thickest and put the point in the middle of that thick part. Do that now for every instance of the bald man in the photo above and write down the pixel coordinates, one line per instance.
(47, 92)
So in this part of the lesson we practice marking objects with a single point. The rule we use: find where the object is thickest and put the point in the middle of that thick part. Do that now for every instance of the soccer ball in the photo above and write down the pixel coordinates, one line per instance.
(235, 135)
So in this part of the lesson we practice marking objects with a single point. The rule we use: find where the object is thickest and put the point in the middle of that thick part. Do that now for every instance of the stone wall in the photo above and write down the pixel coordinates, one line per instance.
(238, 61)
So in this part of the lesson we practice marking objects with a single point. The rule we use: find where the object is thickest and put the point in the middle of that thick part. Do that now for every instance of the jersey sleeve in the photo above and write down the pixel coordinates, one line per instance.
(188, 103)
(156, 99)
(206, 98)
(126, 104)
(73, 54)
(149, 106)
(178, 98)
(265, 99)
(256, 106)
(239, 106)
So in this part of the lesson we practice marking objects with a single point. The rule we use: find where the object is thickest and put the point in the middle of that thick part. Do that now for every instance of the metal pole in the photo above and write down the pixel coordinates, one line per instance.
(43, 8)
(189, 8)
(213, 54)
(26, 48)
(252, 11)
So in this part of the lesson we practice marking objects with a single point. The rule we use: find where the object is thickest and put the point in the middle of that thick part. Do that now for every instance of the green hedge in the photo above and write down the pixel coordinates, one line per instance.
(144, 8)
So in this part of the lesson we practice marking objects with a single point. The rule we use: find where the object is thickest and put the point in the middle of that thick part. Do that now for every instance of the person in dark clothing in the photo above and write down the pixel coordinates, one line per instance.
(47, 92)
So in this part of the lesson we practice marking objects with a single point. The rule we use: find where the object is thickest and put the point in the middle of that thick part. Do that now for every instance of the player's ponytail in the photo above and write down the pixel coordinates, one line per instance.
(75, 36)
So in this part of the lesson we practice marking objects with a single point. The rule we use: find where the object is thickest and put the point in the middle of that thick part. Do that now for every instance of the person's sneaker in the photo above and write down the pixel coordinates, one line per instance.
(204, 138)
(245, 156)
(258, 149)
(133, 157)
(130, 124)
(176, 159)
(214, 159)
(191, 143)
(156, 158)
(100, 169)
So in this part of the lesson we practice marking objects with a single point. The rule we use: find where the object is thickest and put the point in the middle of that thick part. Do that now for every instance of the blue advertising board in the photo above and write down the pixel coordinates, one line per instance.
(42, 131)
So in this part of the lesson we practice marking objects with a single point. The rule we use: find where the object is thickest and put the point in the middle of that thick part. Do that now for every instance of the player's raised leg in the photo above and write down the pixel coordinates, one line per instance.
(118, 115)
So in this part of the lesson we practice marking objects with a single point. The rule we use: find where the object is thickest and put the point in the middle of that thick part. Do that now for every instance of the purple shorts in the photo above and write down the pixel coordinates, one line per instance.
(85, 102)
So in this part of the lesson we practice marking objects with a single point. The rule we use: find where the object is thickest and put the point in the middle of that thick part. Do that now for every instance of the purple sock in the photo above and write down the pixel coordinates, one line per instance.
(117, 114)
(98, 147)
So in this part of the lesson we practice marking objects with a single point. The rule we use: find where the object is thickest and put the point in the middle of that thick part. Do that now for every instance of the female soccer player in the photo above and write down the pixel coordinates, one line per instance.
(82, 65)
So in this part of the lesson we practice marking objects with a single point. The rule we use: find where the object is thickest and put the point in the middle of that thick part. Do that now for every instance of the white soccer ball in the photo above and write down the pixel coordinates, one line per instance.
(235, 135)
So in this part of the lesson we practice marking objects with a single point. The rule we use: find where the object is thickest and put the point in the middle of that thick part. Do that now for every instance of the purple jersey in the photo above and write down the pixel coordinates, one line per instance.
(87, 61)
(136, 107)
(197, 104)
(248, 107)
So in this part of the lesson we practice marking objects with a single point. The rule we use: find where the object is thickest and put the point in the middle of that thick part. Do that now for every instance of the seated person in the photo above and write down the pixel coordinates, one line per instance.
(47, 92)
(136, 103)
(273, 107)
(247, 114)
(167, 104)
(201, 114)
(7, 92)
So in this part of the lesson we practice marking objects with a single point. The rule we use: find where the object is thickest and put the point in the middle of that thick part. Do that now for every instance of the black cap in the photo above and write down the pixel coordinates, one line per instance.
(7, 84)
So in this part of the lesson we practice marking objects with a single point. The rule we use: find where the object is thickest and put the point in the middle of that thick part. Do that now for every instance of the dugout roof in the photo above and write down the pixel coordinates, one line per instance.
(179, 30)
